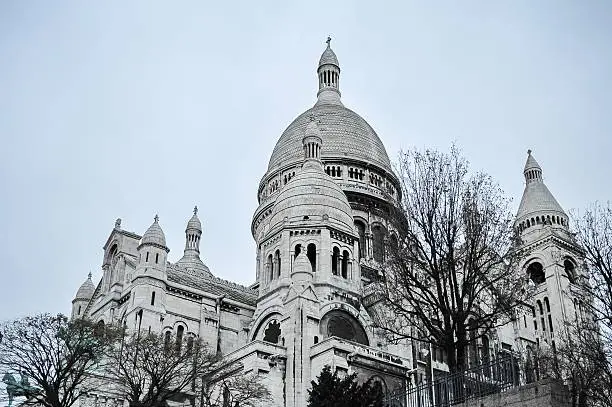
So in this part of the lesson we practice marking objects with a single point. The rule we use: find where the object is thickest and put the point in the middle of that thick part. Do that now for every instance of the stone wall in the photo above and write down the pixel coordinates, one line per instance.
(545, 393)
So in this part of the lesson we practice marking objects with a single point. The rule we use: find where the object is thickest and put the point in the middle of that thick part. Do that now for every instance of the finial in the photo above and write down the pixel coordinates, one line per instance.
(195, 210)
(156, 218)
(118, 223)
(328, 41)
(528, 152)
(89, 276)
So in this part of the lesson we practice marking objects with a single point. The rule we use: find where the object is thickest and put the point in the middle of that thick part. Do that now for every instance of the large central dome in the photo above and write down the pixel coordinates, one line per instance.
(345, 134)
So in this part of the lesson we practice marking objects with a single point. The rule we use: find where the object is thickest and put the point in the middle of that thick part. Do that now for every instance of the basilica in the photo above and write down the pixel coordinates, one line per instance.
(320, 229)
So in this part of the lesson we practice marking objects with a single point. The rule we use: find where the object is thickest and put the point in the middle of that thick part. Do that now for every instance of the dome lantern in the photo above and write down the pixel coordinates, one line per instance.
(191, 256)
(329, 76)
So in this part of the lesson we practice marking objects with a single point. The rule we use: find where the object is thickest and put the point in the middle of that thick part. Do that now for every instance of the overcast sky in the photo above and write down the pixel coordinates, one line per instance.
(131, 108)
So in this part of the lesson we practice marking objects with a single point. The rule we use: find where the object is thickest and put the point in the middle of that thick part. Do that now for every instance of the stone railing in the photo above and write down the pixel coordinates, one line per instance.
(352, 349)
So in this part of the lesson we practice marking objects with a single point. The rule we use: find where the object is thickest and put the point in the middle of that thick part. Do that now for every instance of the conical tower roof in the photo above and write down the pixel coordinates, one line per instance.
(86, 290)
(154, 235)
(537, 199)
(194, 222)
(329, 56)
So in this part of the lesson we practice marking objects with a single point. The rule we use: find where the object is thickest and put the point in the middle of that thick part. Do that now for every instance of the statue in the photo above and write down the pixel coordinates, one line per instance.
(17, 389)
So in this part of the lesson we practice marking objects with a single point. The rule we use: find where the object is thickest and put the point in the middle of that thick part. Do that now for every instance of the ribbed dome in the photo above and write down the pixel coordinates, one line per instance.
(154, 235)
(345, 134)
(194, 222)
(86, 290)
(193, 263)
(311, 196)
(329, 57)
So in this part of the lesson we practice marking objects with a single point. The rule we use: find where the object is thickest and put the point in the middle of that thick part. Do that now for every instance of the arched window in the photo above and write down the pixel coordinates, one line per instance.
(179, 337)
(570, 270)
(167, 341)
(272, 332)
(297, 250)
(378, 244)
(485, 356)
(189, 344)
(550, 323)
(540, 307)
(153, 298)
(79, 311)
(360, 226)
(473, 346)
(536, 272)
(335, 260)
(344, 326)
(99, 329)
(147, 258)
(345, 262)
(270, 268)
(277, 262)
(156, 258)
(311, 253)
(393, 243)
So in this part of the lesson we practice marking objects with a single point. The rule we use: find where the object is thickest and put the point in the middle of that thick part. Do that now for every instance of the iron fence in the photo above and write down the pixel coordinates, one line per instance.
(496, 376)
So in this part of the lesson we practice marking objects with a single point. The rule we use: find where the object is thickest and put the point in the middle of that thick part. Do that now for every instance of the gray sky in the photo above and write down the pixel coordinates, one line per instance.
(127, 109)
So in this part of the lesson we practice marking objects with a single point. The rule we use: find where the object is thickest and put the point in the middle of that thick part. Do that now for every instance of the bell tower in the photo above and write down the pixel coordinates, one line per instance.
(552, 260)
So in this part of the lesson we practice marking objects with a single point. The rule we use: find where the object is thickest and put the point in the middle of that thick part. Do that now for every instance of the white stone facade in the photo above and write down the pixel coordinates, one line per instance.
(320, 229)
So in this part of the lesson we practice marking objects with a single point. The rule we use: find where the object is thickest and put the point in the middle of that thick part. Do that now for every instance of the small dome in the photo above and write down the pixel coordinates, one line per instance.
(312, 196)
(154, 235)
(86, 290)
(194, 222)
(329, 56)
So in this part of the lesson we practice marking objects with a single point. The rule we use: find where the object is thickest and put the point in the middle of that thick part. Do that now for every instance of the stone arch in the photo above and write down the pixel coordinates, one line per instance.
(378, 379)
(569, 266)
(362, 317)
(114, 247)
(263, 321)
(343, 325)
(535, 271)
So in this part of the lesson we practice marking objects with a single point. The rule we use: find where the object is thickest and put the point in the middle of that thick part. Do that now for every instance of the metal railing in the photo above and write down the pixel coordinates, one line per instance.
(494, 377)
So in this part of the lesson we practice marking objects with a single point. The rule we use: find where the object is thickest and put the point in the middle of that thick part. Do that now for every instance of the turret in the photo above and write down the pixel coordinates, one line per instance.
(153, 252)
(149, 289)
(82, 298)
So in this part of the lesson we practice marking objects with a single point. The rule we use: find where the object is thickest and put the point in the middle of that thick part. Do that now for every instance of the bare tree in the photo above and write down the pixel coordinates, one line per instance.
(53, 356)
(580, 362)
(155, 369)
(449, 275)
(231, 387)
(592, 343)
